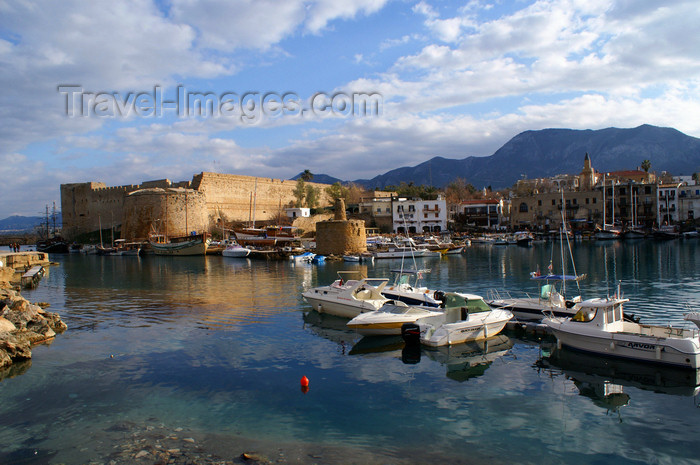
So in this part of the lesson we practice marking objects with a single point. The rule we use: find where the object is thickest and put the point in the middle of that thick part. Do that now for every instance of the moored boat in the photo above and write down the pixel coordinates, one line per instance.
(599, 327)
(235, 250)
(465, 317)
(180, 246)
(388, 319)
(407, 288)
(347, 297)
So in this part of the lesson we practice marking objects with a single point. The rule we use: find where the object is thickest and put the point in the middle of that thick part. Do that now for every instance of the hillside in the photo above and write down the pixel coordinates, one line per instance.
(549, 152)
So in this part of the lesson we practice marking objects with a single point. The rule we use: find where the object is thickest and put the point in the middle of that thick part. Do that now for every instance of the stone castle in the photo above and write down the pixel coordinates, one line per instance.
(176, 208)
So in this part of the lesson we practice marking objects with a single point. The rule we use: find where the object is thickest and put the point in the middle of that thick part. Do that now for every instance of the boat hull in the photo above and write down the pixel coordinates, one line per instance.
(196, 247)
(341, 308)
(683, 353)
(465, 331)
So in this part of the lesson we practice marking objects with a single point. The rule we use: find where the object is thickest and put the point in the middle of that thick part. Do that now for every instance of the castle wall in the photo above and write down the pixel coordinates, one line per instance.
(171, 212)
(233, 196)
(85, 205)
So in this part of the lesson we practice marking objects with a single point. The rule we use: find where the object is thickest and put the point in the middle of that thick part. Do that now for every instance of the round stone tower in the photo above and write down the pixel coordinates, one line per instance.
(340, 236)
(171, 211)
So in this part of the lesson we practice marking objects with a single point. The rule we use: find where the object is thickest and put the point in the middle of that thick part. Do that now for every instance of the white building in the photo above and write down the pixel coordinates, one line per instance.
(689, 202)
(667, 207)
(297, 212)
(419, 216)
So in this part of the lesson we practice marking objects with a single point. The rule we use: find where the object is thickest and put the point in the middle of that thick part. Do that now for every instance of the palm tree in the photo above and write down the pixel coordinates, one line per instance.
(307, 175)
(646, 166)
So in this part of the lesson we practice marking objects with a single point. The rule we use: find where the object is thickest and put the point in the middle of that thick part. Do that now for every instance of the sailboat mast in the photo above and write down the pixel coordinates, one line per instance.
(99, 219)
(561, 242)
(255, 199)
(605, 216)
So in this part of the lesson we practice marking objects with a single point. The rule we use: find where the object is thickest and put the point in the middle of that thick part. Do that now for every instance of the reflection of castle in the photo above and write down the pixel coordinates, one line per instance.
(178, 207)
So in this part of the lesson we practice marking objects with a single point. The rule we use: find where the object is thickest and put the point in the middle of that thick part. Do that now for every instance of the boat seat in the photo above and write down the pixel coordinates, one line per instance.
(363, 294)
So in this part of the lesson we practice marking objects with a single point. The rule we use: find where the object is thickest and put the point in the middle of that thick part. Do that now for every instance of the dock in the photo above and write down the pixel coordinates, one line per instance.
(14, 266)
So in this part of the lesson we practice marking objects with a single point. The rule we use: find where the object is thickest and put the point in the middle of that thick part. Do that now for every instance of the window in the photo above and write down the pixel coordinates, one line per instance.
(587, 199)
(411, 208)
(554, 202)
(523, 207)
(539, 203)
(594, 200)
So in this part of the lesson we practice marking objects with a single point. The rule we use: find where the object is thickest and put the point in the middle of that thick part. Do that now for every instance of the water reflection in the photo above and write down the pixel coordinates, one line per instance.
(332, 328)
(595, 376)
(467, 360)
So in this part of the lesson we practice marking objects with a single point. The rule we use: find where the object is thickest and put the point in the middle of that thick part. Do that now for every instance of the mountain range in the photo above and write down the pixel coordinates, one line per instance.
(548, 152)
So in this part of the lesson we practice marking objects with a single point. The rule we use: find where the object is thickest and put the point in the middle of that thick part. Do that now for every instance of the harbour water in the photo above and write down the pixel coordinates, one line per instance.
(212, 349)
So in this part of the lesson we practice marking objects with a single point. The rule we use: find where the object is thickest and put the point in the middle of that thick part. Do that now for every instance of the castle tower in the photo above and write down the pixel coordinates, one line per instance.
(587, 177)
(340, 236)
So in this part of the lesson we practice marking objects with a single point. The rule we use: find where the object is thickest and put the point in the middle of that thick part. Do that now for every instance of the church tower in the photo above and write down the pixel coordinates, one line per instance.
(587, 176)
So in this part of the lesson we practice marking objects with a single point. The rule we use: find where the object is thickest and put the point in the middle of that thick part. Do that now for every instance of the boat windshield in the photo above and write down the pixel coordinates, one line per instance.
(585, 314)
(472, 305)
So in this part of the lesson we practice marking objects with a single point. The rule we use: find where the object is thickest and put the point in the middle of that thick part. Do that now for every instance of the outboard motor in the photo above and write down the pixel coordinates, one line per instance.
(410, 332)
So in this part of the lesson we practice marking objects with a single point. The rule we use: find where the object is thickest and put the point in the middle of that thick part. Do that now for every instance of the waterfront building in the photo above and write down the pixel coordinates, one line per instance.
(418, 215)
(668, 205)
(484, 213)
(688, 202)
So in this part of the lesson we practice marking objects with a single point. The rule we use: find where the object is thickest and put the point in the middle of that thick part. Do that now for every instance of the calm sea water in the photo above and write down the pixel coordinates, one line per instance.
(217, 346)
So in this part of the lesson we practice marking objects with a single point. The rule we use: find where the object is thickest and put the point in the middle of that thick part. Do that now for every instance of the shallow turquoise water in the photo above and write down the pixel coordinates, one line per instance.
(218, 345)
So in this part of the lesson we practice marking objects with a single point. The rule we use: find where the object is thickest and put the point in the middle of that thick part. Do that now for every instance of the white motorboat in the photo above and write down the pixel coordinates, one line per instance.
(236, 250)
(465, 317)
(347, 297)
(389, 318)
(407, 288)
(405, 248)
(550, 300)
(599, 327)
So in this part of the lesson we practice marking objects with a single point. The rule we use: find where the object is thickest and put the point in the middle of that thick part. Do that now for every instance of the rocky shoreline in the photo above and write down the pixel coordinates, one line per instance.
(22, 325)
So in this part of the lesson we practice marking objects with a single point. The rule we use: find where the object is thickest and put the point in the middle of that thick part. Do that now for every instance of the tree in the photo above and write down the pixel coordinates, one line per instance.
(300, 193)
(306, 176)
(696, 177)
(646, 166)
(312, 195)
(337, 191)
(458, 191)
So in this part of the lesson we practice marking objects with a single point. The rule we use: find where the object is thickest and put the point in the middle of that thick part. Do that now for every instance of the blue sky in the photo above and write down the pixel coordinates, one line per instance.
(456, 79)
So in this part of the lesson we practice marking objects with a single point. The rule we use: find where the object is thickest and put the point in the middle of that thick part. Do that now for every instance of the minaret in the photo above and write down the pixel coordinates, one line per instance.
(587, 176)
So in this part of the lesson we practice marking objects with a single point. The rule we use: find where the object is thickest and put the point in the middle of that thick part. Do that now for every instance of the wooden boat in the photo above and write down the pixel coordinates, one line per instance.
(180, 246)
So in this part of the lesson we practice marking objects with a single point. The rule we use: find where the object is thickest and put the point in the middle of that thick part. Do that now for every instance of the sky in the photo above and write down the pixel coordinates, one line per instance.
(128, 91)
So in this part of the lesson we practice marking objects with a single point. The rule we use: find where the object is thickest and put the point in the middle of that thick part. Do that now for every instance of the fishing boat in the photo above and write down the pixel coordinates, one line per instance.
(179, 246)
(347, 297)
(465, 317)
(600, 328)
(235, 250)
(389, 318)
(407, 288)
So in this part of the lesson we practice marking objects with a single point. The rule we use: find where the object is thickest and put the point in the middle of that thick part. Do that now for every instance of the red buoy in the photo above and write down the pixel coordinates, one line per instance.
(304, 381)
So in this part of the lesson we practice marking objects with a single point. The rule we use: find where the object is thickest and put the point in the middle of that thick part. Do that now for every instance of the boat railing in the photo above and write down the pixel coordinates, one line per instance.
(495, 294)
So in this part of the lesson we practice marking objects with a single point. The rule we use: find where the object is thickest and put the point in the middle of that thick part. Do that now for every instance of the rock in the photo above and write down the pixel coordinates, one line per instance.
(252, 457)
(6, 325)
(142, 454)
(15, 346)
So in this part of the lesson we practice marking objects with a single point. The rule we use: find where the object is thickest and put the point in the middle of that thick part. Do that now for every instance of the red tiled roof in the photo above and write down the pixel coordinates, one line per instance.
(479, 201)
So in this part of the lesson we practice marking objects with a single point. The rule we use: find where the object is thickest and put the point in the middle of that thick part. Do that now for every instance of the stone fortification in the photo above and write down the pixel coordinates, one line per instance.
(341, 236)
(244, 198)
(171, 212)
(87, 206)
(228, 196)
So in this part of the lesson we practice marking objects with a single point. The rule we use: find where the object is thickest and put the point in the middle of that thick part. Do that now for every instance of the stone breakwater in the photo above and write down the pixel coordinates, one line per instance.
(22, 325)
